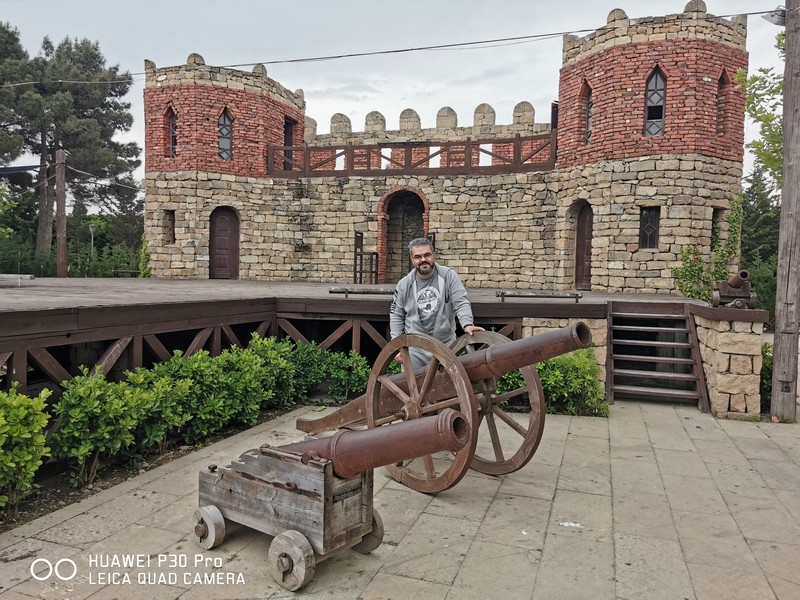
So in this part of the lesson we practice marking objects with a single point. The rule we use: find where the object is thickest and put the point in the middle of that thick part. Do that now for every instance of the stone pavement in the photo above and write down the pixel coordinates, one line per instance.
(657, 501)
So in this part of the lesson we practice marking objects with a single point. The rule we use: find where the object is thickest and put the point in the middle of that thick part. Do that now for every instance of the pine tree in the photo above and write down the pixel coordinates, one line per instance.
(68, 98)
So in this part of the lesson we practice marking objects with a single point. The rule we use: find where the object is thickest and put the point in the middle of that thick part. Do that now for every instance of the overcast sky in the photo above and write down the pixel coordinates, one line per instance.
(259, 31)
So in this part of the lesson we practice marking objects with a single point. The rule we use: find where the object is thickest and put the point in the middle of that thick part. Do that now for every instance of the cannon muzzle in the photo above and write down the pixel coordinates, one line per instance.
(353, 452)
(736, 281)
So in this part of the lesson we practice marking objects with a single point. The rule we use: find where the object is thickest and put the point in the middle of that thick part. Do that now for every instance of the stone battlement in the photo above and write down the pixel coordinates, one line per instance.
(693, 23)
(483, 126)
(197, 72)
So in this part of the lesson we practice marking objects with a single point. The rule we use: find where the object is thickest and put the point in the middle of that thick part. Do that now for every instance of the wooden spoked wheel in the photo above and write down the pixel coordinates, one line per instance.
(443, 383)
(505, 442)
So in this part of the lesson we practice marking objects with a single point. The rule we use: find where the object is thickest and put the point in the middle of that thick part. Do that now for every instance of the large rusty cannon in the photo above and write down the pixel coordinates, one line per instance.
(466, 377)
(315, 496)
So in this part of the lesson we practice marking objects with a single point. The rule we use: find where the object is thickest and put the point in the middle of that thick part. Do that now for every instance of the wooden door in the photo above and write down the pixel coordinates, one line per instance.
(583, 249)
(224, 244)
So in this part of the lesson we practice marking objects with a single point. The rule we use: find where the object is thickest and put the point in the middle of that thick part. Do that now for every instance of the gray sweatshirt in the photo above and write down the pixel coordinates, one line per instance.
(404, 316)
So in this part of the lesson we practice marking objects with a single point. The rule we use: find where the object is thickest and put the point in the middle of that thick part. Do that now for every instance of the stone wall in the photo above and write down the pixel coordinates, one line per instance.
(514, 230)
(731, 352)
(598, 328)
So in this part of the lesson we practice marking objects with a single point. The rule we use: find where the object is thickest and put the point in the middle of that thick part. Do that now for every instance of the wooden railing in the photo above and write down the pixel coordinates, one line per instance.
(509, 155)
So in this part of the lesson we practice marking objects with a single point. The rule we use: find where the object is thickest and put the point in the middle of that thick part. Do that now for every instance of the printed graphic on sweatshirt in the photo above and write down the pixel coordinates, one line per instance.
(428, 301)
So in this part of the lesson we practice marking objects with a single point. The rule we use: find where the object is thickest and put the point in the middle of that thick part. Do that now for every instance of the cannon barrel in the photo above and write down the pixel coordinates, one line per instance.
(504, 358)
(353, 452)
(483, 364)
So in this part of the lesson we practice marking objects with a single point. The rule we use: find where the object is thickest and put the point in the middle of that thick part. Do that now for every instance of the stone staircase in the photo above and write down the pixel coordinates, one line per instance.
(654, 355)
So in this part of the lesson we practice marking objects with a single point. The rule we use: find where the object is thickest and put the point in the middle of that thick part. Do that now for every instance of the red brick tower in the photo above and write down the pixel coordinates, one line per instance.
(692, 106)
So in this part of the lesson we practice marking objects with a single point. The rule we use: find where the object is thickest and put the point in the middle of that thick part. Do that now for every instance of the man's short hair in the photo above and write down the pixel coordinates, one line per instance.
(423, 241)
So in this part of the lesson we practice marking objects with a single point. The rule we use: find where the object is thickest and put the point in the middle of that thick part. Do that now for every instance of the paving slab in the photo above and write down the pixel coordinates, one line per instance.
(658, 501)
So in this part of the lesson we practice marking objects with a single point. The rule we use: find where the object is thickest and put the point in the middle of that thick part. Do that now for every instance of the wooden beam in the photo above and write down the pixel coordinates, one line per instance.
(334, 337)
(373, 333)
(157, 347)
(234, 341)
(199, 341)
(291, 331)
(49, 365)
(112, 354)
(136, 352)
(355, 343)
(19, 369)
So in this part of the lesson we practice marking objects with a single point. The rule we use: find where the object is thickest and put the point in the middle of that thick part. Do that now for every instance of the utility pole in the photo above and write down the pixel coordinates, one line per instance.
(61, 214)
(787, 299)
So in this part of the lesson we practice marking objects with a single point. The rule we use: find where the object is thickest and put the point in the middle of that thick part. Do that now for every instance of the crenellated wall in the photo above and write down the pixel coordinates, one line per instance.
(483, 126)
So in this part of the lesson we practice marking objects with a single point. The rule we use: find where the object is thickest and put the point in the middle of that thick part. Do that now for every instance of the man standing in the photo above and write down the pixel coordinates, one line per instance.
(428, 300)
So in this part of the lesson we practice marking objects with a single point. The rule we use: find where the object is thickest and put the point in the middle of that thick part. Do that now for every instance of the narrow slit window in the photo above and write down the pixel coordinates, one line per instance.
(225, 136)
(655, 103)
(169, 226)
(587, 105)
(649, 217)
(288, 142)
(724, 89)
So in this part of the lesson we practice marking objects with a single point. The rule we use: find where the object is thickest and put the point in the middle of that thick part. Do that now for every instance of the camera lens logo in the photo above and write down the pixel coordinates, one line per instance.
(65, 569)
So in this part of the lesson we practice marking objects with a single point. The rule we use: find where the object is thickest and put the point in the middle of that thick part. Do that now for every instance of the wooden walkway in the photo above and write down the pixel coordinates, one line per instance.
(49, 326)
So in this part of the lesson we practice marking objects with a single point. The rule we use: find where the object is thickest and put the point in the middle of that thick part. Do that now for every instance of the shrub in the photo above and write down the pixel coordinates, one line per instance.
(348, 374)
(310, 365)
(282, 375)
(570, 383)
(765, 386)
(22, 444)
(162, 408)
(97, 419)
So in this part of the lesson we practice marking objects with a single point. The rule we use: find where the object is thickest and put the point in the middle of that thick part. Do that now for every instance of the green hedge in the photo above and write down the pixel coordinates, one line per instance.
(22, 444)
(190, 398)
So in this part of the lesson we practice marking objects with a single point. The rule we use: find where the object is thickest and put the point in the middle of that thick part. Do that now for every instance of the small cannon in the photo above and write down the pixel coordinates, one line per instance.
(315, 497)
(466, 377)
(734, 293)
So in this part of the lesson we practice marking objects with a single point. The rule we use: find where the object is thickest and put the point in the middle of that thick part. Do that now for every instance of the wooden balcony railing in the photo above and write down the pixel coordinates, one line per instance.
(510, 155)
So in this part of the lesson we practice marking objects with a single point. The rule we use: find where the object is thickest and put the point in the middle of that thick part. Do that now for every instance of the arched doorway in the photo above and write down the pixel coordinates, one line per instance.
(583, 247)
(405, 220)
(224, 244)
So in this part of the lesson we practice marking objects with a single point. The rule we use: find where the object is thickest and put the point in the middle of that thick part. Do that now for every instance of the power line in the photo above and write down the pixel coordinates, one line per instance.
(110, 182)
(496, 42)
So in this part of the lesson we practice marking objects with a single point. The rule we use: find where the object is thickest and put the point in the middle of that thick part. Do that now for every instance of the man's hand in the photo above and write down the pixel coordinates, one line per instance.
(470, 329)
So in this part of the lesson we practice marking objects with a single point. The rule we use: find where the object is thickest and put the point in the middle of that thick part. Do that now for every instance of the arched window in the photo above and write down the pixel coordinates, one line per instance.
(225, 136)
(171, 127)
(655, 103)
(587, 105)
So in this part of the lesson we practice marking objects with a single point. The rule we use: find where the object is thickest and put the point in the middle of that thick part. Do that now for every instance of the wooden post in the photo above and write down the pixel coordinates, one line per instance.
(61, 214)
(784, 380)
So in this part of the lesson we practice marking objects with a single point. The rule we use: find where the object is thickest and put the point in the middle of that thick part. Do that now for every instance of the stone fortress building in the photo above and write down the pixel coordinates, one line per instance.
(640, 159)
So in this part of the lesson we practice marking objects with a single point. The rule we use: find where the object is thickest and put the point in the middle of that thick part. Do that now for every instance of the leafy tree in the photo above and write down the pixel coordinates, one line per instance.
(70, 99)
(764, 104)
(11, 56)
(760, 220)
